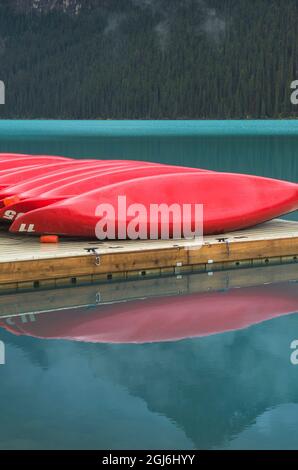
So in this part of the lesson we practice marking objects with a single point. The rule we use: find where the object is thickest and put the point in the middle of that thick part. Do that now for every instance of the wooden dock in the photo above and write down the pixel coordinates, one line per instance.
(25, 263)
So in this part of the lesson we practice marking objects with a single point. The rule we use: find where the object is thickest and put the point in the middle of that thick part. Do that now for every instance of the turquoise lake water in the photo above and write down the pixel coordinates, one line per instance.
(224, 390)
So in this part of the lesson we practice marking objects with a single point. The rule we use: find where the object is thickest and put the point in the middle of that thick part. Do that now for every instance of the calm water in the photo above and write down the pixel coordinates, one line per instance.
(217, 375)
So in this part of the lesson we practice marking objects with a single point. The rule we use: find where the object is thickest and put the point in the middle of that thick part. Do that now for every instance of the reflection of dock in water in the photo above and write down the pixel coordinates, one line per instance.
(25, 263)
(155, 309)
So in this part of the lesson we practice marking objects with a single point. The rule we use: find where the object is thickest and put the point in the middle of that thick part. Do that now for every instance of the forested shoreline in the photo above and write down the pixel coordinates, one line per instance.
(151, 59)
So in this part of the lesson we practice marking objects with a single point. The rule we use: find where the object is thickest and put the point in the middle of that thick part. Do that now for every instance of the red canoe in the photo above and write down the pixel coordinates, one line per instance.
(24, 173)
(11, 156)
(5, 156)
(163, 319)
(42, 196)
(57, 177)
(15, 161)
(230, 201)
(19, 175)
(20, 161)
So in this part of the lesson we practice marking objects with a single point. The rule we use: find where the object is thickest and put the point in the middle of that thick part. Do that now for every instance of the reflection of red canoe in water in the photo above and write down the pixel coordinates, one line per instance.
(165, 318)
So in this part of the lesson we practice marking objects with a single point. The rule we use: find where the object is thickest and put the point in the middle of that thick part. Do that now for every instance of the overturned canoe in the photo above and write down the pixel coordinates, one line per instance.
(74, 183)
(230, 202)
(19, 175)
(8, 163)
(54, 178)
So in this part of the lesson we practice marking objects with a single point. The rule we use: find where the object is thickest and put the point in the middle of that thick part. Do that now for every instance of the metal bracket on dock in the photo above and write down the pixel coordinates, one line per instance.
(226, 241)
(93, 251)
(222, 239)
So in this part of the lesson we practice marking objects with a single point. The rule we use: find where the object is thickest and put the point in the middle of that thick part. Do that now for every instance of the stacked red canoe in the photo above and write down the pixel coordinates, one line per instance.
(57, 195)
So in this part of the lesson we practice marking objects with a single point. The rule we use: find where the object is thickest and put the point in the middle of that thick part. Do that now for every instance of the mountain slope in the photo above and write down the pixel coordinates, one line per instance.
(148, 58)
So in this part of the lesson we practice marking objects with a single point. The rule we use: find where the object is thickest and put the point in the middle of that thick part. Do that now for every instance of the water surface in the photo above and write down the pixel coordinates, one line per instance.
(186, 371)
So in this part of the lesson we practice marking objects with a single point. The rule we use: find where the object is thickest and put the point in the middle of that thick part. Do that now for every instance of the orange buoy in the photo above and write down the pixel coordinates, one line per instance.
(10, 200)
(49, 239)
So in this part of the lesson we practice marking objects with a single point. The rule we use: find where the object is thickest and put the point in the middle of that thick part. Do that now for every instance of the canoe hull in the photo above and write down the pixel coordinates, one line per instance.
(230, 202)
(80, 183)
